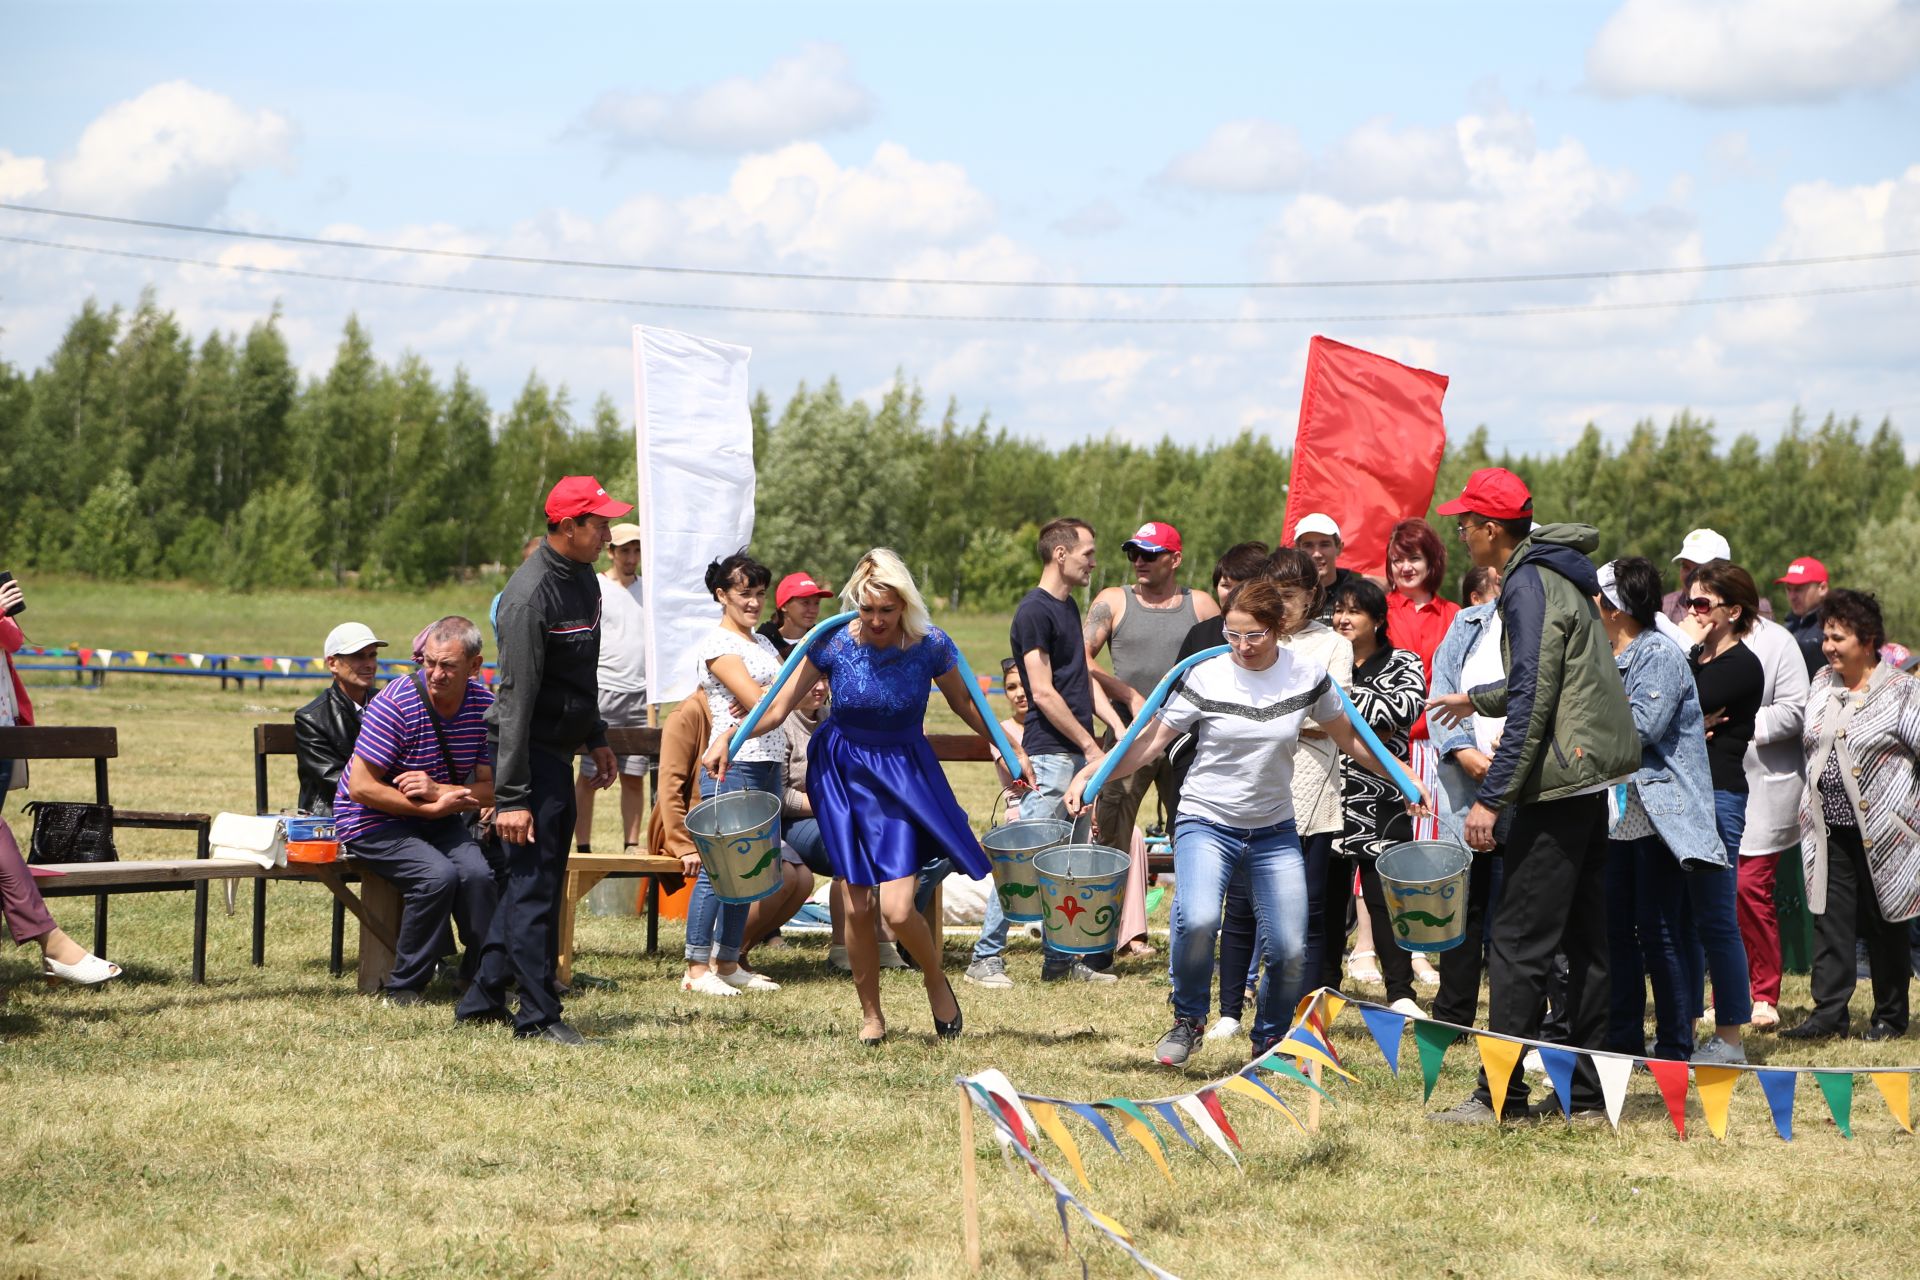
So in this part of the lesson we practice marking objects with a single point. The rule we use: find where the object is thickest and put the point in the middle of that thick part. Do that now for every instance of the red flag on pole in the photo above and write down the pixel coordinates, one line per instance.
(1367, 450)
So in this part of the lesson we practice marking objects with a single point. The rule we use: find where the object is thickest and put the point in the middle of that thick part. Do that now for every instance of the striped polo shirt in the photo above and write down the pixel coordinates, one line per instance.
(396, 736)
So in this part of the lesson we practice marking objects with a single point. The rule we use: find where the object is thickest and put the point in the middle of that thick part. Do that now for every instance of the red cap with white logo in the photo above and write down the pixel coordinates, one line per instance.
(1153, 537)
(1805, 569)
(798, 586)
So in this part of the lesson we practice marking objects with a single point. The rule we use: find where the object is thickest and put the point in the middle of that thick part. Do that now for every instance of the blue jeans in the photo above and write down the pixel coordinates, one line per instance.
(703, 908)
(1649, 936)
(1206, 855)
(1052, 774)
(1716, 948)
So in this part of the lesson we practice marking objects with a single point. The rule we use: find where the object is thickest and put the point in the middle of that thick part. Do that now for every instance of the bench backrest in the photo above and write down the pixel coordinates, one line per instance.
(64, 742)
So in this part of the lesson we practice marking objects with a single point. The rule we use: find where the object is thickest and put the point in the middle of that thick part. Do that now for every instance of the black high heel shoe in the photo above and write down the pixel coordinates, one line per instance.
(950, 1030)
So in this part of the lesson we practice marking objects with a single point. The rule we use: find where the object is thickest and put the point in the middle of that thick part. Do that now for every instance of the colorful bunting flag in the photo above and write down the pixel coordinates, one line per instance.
(1895, 1087)
(1211, 1101)
(1837, 1087)
(1433, 1041)
(1560, 1065)
(1204, 1121)
(1094, 1118)
(1049, 1122)
(1281, 1067)
(1613, 1073)
(1716, 1094)
(1778, 1086)
(1141, 1130)
(1499, 1057)
(1263, 1095)
(1387, 1028)
(1672, 1079)
(285, 665)
(1172, 1117)
(105, 656)
(995, 1082)
(196, 659)
(140, 657)
(86, 657)
(1300, 1042)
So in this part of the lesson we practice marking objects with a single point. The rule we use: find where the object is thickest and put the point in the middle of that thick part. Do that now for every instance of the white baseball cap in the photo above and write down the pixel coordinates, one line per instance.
(350, 637)
(1703, 545)
(1317, 522)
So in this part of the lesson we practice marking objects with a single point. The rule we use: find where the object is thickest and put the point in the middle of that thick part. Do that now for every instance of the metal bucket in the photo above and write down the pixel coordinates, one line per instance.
(1425, 885)
(734, 833)
(1012, 848)
(1080, 887)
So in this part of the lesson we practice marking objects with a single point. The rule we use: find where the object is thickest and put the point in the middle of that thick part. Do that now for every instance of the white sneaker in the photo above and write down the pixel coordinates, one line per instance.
(741, 980)
(1532, 1065)
(708, 984)
(889, 954)
(837, 957)
(1408, 1007)
(1225, 1029)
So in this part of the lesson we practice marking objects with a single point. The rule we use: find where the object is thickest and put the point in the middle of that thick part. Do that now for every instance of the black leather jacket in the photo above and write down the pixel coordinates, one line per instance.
(324, 732)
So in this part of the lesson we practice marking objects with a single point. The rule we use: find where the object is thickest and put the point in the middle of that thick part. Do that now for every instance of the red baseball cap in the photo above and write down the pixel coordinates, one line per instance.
(798, 586)
(577, 496)
(1805, 569)
(1154, 537)
(1494, 492)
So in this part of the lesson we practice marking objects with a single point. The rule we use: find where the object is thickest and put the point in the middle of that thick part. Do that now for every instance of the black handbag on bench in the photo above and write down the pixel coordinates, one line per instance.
(69, 831)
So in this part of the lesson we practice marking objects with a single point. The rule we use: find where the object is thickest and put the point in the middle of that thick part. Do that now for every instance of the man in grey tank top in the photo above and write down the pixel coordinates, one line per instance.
(1143, 625)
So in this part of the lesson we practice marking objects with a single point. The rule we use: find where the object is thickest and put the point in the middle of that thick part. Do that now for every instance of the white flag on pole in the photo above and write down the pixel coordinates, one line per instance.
(693, 433)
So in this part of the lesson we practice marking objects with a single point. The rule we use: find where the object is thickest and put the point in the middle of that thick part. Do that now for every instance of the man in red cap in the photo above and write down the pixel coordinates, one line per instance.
(546, 710)
(1806, 583)
(1144, 624)
(1569, 735)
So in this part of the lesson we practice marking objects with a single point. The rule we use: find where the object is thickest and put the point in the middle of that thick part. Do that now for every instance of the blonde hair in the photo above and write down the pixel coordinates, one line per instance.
(881, 569)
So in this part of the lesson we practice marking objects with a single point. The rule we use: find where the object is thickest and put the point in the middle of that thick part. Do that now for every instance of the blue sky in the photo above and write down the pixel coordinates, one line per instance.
(1065, 142)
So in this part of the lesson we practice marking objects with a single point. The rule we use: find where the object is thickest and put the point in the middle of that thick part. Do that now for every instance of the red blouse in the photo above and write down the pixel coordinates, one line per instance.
(1419, 627)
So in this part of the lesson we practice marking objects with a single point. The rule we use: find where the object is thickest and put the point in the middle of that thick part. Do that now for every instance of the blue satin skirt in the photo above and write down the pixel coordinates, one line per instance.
(884, 805)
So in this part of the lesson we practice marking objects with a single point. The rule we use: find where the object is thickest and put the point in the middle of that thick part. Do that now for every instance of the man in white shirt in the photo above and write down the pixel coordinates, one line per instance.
(623, 686)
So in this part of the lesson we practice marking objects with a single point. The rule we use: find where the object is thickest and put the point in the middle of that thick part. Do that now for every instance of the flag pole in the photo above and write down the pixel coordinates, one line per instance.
(969, 1184)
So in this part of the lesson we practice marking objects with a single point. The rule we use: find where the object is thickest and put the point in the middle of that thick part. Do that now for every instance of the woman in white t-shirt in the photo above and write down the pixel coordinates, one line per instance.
(1246, 710)
(736, 666)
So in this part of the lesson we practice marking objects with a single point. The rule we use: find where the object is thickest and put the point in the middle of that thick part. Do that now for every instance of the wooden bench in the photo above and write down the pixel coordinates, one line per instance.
(131, 875)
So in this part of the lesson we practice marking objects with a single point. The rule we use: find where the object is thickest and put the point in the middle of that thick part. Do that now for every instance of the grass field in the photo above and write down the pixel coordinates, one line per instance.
(273, 1123)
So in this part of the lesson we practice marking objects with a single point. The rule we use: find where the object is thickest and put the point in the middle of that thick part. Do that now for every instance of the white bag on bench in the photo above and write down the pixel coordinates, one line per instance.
(250, 838)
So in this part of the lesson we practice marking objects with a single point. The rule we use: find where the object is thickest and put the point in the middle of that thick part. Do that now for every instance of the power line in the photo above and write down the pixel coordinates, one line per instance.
(827, 278)
(820, 313)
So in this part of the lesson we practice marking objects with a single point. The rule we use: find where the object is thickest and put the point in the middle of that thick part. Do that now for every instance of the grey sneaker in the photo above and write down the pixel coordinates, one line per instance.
(991, 972)
(1077, 972)
(1718, 1053)
(1472, 1111)
(1176, 1046)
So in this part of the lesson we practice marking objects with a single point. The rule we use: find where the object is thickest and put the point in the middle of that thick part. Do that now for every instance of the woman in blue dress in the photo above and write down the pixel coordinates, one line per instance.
(882, 801)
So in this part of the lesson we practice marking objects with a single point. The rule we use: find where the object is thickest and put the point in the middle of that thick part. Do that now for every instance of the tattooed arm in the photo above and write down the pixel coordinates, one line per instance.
(1109, 607)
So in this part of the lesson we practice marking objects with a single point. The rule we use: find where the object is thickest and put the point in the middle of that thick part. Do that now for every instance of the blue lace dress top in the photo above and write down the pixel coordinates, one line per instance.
(883, 803)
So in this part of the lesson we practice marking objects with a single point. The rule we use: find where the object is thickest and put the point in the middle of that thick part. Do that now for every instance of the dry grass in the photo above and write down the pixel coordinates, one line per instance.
(274, 1123)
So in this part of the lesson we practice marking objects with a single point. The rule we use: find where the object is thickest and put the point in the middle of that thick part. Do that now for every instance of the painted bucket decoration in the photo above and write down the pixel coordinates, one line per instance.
(1080, 887)
(734, 834)
(1424, 883)
(1012, 847)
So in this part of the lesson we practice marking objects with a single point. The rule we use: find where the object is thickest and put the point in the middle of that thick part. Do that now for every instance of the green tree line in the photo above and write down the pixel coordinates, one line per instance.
(138, 450)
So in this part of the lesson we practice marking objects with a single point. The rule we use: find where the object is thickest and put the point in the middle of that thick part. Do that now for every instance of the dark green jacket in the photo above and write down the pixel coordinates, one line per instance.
(1569, 727)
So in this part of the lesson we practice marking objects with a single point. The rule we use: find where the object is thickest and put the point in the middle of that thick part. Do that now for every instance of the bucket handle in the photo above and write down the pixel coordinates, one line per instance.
(1001, 804)
(1076, 836)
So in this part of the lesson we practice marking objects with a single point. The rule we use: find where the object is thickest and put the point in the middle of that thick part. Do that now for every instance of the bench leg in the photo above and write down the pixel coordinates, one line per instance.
(100, 925)
(653, 915)
(336, 963)
(200, 932)
(381, 901)
(259, 923)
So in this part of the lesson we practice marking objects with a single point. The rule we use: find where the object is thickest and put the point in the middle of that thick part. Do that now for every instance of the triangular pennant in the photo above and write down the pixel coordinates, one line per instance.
(1008, 1129)
(1329, 1007)
(1266, 1097)
(1433, 1041)
(196, 659)
(1141, 1130)
(1261, 1085)
(1211, 1101)
(1778, 1086)
(1050, 1124)
(1204, 1121)
(1172, 1117)
(105, 656)
(1837, 1086)
(1672, 1079)
(1715, 1085)
(1108, 1223)
(1302, 1043)
(1499, 1057)
(1560, 1065)
(995, 1082)
(1387, 1028)
(1895, 1087)
(86, 657)
(285, 665)
(1098, 1121)
(140, 657)
(1060, 1207)
(1281, 1067)
(1613, 1073)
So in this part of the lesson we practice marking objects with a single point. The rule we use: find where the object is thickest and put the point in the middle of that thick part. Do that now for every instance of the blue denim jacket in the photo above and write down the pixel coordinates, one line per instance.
(1674, 781)
(1457, 790)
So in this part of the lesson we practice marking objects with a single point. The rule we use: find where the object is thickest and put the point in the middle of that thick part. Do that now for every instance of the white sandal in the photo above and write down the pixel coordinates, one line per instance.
(1368, 972)
(88, 971)
(708, 984)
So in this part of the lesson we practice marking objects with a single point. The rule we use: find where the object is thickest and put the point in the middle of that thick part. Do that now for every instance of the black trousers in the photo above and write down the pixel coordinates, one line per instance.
(1240, 931)
(1554, 899)
(1853, 912)
(1396, 962)
(441, 874)
(523, 942)
(1458, 1000)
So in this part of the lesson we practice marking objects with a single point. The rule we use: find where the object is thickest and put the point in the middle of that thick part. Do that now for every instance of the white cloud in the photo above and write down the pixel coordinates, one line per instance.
(21, 175)
(175, 151)
(808, 93)
(1095, 218)
(1378, 160)
(1242, 157)
(1737, 52)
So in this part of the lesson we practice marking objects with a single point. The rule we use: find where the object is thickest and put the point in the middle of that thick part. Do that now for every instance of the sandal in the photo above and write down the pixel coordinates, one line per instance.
(1364, 966)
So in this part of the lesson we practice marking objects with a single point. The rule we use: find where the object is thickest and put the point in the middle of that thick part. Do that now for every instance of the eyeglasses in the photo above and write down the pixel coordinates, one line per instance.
(1246, 637)
(1141, 556)
(1700, 604)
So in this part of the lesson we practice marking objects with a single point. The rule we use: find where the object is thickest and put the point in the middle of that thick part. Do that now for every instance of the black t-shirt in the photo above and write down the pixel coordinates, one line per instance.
(1731, 683)
(1208, 633)
(1052, 626)
(1326, 601)
(771, 630)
